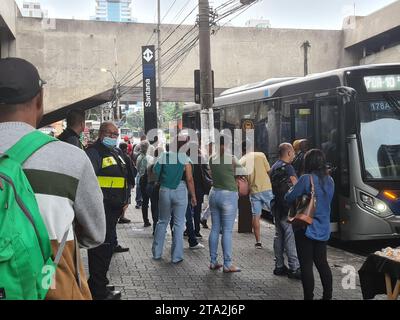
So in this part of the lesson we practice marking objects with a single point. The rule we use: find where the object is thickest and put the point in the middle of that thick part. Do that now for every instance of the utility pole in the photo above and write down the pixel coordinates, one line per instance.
(116, 84)
(207, 123)
(159, 64)
(306, 45)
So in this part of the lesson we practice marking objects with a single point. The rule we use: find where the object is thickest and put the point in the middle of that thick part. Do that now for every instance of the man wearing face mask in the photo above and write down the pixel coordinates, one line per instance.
(112, 175)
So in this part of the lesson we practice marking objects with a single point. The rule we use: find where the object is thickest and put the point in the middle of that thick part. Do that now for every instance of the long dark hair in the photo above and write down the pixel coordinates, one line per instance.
(315, 162)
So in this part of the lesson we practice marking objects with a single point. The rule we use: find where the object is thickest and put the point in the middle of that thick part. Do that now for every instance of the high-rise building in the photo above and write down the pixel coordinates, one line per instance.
(114, 11)
(33, 9)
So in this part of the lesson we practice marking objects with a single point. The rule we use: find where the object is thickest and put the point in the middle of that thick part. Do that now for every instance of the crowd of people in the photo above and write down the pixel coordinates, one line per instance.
(93, 189)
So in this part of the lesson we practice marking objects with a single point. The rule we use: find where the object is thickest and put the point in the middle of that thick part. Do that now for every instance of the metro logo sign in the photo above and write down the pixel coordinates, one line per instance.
(148, 55)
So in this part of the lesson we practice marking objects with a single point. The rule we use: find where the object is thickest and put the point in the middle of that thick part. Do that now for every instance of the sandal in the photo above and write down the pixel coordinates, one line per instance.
(232, 269)
(216, 266)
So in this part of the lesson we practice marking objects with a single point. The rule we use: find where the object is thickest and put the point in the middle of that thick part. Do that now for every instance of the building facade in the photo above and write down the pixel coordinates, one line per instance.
(33, 10)
(113, 11)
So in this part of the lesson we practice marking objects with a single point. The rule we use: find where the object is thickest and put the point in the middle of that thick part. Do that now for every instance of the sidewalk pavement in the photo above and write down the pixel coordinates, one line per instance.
(139, 277)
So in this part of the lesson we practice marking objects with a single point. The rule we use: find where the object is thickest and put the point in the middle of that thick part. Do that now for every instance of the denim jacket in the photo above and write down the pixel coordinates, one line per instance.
(320, 228)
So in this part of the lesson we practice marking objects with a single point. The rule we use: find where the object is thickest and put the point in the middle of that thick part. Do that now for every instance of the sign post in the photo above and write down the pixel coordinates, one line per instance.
(149, 88)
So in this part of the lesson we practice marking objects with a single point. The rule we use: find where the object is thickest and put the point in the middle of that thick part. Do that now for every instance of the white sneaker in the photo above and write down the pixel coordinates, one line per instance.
(197, 246)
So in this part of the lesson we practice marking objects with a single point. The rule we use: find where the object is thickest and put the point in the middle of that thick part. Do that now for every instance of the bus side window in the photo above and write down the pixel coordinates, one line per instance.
(285, 126)
(266, 129)
(329, 133)
(261, 134)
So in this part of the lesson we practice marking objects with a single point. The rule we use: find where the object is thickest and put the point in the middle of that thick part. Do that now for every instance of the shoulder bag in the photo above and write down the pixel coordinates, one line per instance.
(302, 214)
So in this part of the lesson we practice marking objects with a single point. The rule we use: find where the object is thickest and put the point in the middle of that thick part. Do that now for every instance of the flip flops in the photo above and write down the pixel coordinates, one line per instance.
(215, 266)
(232, 269)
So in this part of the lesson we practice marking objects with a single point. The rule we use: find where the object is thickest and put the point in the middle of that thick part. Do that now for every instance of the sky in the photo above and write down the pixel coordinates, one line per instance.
(302, 14)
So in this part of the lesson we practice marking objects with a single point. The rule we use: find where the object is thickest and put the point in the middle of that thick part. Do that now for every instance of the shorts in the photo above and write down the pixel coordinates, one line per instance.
(260, 201)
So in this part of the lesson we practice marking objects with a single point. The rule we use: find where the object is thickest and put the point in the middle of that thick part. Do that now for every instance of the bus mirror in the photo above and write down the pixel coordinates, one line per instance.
(348, 94)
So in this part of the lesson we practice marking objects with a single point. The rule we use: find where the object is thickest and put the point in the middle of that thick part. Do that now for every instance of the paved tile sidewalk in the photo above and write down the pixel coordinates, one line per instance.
(139, 277)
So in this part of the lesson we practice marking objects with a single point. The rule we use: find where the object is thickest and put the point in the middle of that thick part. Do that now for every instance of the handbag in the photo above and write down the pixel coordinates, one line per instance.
(302, 214)
(243, 186)
(241, 182)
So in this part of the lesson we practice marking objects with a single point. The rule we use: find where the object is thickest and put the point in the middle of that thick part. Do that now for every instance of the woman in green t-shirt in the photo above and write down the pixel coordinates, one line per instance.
(223, 202)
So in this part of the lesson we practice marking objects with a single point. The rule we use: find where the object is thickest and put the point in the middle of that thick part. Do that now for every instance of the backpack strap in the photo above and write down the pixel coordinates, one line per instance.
(28, 145)
(76, 255)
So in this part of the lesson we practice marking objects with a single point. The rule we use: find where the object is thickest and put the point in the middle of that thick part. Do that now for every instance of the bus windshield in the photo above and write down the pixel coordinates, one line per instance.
(380, 136)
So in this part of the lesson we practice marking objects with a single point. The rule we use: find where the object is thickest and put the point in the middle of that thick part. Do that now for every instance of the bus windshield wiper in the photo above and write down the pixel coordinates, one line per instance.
(393, 103)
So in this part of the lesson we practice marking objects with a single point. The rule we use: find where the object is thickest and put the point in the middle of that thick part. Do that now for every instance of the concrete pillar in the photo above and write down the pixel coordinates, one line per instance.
(8, 47)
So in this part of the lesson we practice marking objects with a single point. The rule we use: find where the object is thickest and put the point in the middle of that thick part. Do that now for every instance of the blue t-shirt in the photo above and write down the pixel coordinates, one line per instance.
(320, 228)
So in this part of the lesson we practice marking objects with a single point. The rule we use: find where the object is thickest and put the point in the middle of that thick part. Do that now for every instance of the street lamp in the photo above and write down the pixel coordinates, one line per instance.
(116, 87)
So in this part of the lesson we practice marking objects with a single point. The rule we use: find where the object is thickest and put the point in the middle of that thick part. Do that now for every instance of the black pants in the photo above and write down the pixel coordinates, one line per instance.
(145, 199)
(197, 211)
(100, 257)
(313, 252)
(153, 192)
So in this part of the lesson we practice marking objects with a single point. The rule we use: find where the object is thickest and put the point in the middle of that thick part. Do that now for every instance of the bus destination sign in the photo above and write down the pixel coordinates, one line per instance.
(382, 83)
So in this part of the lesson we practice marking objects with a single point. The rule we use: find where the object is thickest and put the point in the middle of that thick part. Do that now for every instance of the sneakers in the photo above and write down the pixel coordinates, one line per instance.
(204, 224)
(197, 246)
(185, 234)
(119, 249)
(137, 206)
(281, 271)
(124, 220)
(258, 245)
(147, 224)
(294, 274)
(199, 236)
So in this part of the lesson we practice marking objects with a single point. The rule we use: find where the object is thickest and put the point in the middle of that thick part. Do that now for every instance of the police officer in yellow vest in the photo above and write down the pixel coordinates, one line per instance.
(112, 175)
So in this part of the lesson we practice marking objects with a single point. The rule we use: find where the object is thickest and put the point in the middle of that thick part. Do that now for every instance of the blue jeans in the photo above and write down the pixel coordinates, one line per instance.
(175, 202)
(224, 209)
(284, 241)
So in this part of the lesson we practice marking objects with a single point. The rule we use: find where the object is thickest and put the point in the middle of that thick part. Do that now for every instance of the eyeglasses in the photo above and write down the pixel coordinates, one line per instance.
(112, 134)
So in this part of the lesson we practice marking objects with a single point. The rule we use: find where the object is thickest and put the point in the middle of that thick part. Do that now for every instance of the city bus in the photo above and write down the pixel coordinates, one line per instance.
(353, 115)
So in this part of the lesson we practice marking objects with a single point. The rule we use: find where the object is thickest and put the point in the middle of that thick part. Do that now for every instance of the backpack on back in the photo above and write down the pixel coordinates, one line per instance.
(281, 183)
(26, 265)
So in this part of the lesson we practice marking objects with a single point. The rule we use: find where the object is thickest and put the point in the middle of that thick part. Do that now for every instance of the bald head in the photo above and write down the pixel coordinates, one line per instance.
(286, 152)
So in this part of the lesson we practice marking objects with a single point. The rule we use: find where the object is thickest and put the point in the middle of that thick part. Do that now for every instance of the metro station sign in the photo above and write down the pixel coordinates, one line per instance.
(149, 87)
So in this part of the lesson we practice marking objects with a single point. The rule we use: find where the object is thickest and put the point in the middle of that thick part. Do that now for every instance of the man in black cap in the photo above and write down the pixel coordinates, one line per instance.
(75, 126)
(61, 176)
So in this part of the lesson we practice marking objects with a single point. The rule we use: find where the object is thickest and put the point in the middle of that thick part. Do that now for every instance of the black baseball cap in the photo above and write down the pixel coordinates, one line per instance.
(19, 81)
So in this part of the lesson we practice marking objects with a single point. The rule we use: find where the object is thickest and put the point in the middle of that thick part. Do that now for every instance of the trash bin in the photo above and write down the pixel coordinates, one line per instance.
(245, 215)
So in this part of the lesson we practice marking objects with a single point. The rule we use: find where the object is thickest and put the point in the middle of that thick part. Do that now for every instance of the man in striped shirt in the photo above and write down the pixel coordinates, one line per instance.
(61, 175)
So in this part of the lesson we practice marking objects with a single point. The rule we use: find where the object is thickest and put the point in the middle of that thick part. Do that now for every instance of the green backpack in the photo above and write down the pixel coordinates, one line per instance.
(26, 266)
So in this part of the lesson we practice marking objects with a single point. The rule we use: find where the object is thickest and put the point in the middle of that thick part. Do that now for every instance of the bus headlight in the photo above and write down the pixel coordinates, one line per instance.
(374, 205)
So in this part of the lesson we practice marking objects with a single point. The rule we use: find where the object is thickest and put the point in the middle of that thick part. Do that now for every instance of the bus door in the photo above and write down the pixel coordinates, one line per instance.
(328, 134)
(302, 122)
